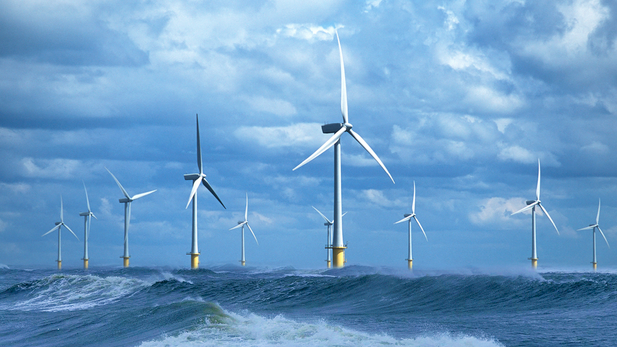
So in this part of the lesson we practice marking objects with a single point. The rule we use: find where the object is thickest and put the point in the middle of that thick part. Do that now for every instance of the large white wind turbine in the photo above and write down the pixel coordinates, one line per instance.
(87, 219)
(531, 204)
(198, 179)
(127, 215)
(408, 218)
(59, 226)
(338, 247)
(242, 224)
(594, 227)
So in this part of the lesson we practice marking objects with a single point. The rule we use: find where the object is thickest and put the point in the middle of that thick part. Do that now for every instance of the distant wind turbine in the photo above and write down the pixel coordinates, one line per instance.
(59, 226)
(241, 224)
(328, 224)
(198, 179)
(87, 220)
(127, 215)
(531, 204)
(338, 247)
(408, 218)
(594, 227)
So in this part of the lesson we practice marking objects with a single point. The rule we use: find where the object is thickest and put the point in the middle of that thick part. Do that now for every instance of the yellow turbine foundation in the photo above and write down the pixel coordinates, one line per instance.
(534, 263)
(410, 263)
(126, 261)
(329, 263)
(85, 264)
(194, 260)
(59, 264)
(338, 256)
(595, 266)
(242, 262)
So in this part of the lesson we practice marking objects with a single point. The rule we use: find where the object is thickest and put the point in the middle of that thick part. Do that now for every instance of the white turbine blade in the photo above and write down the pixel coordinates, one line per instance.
(142, 195)
(421, 228)
(370, 151)
(323, 147)
(61, 210)
(549, 218)
(587, 228)
(528, 207)
(255, 237)
(404, 219)
(87, 200)
(196, 184)
(344, 110)
(321, 214)
(52, 229)
(239, 225)
(609, 246)
(119, 185)
(92, 214)
(199, 162)
(246, 210)
(343, 215)
(598, 216)
(413, 202)
(66, 226)
(538, 187)
(207, 185)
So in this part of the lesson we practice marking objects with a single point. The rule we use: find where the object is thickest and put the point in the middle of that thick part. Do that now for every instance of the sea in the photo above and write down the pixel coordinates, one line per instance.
(230, 305)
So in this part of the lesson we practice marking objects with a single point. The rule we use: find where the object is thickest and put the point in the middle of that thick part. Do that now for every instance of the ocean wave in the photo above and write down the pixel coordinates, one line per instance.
(232, 329)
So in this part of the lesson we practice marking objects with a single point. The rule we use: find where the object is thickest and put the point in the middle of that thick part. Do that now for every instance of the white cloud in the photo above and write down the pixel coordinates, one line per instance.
(299, 135)
(308, 32)
(517, 154)
(57, 168)
(596, 147)
(274, 106)
(496, 211)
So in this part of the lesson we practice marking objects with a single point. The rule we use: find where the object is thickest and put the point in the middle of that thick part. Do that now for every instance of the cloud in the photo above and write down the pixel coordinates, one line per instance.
(497, 211)
(517, 154)
(274, 106)
(306, 135)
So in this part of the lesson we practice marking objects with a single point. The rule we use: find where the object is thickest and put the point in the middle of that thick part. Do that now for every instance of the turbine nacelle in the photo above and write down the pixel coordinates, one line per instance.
(192, 177)
(407, 215)
(529, 202)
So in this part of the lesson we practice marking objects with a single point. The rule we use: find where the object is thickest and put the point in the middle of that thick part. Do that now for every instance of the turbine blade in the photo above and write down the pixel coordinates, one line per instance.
(549, 218)
(344, 110)
(66, 226)
(369, 150)
(207, 185)
(92, 214)
(87, 200)
(193, 191)
(586, 228)
(404, 219)
(321, 214)
(331, 141)
(413, 203)
(421, 228)
(142, 195)
(119, 185)
(343, 215)
(52, 229)
(525, 208)
(609, 246)
(246, 210)
(89, 224)
(598, 216)
(61, 210)
(199, 162)
(255, 237)
(237, 226)
(538, 187)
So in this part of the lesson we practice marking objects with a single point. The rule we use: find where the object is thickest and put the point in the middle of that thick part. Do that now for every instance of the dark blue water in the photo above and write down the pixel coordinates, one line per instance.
(354, 306)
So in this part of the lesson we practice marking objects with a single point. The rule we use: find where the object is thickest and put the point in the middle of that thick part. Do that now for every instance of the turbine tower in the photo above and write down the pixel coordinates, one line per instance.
(328, 224)
(338, 247)
(59, 226)
(408, 218)
(594, 227)
(198, 179)
(531, 204)
(127, 215)
(242, 224)
(87, 219)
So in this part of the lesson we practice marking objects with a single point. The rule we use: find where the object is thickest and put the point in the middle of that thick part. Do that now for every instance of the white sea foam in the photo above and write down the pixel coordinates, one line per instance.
(72, 292)
(254, 330)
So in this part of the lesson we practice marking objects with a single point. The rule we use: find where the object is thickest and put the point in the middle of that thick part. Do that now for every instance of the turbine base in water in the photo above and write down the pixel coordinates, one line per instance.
(329, 263)
(595, 266)
(409, 264)
(338, 256)
(242, 262)
(85, 264)
(194, 260)
(125, 261)
(534, 263)
(59, 264)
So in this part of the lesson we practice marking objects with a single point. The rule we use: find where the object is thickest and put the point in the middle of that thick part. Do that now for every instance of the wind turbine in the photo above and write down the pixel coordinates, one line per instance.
(59, 227)
(338, 247)
(197, 178)
(87, 219)
(408, 218)
(127, 215)
(328, 224)
(593, 227)
(531, 204)
(242, 224)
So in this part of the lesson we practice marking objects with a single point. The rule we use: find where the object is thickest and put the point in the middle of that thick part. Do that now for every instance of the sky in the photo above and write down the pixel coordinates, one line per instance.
(462, 97)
